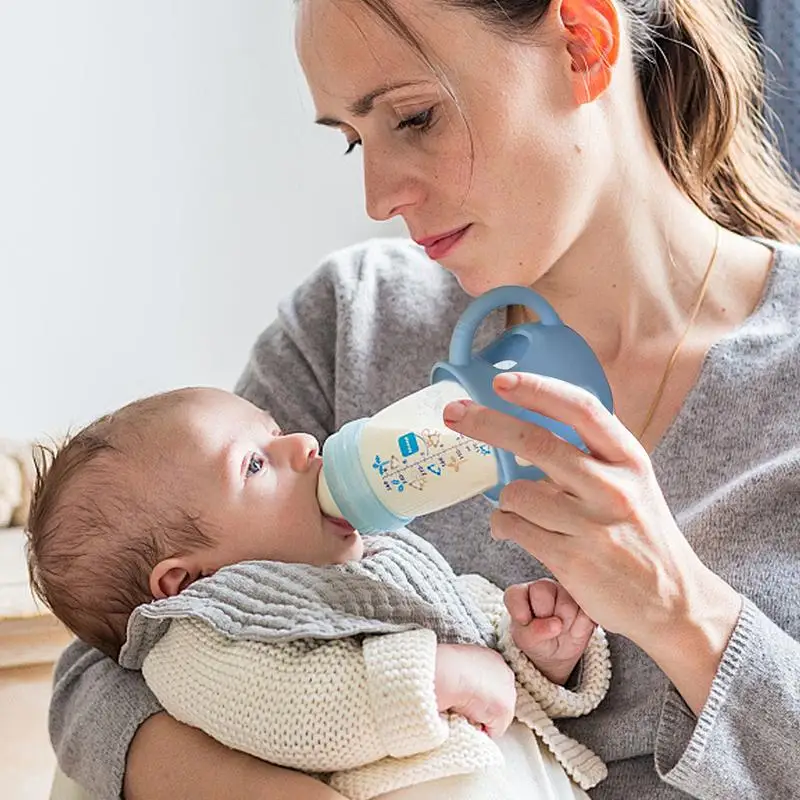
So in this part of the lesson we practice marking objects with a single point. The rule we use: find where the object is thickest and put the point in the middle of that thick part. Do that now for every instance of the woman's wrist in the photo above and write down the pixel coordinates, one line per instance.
(690, 646)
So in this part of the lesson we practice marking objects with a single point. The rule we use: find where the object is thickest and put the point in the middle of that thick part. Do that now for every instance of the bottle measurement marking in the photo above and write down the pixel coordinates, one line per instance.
(432, 460)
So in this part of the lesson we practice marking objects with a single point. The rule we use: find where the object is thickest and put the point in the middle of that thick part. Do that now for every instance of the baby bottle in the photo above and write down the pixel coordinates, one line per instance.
(382, 472)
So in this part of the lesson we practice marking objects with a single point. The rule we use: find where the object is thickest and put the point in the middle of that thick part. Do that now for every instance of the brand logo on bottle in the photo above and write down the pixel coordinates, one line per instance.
(408, 444)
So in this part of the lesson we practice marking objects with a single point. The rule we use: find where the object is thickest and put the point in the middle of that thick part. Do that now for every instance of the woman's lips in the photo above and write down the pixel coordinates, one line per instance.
(438, 248)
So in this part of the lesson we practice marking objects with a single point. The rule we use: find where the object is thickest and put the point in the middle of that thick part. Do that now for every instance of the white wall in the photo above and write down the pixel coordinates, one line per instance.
(161, 186)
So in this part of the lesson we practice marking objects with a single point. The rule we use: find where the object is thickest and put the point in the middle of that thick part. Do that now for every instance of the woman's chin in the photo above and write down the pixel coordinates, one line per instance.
(475, 279)
(470, 280)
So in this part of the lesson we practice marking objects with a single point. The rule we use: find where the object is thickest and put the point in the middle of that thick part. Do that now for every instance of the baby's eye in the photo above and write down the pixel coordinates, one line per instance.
(254, 465)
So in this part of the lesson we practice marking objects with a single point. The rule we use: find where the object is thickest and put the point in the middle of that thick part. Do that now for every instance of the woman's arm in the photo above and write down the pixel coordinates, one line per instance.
(172, 761)
(603, 528)
(107, 729)
(747, 732)
(95, 710)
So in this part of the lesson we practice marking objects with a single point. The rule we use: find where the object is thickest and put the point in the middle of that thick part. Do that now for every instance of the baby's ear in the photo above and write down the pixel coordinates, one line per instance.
(171, 576)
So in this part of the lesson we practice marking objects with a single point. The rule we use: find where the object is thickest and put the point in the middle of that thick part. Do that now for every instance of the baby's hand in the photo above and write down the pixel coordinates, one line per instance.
(548, 626)
(475, 682)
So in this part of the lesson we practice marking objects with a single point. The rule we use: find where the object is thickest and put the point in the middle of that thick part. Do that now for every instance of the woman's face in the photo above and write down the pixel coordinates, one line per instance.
(512, 168)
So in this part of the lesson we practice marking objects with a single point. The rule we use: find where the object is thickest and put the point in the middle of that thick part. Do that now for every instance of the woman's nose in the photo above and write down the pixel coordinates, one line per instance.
(300, 450)
(389, 187)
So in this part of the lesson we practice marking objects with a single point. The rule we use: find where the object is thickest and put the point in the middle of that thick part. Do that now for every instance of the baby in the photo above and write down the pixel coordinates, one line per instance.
(164, 499)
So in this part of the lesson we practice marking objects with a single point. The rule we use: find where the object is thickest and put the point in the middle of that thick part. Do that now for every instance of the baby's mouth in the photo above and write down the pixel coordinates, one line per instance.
(345, 526)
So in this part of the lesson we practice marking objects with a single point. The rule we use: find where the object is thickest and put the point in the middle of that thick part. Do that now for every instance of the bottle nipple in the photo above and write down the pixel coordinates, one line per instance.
(326, 502)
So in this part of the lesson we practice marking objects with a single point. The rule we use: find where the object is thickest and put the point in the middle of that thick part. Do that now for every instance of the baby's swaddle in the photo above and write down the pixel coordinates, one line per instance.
(401, 584)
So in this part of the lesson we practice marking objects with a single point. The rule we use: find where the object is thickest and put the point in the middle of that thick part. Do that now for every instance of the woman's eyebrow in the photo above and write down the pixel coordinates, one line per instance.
(364, 105)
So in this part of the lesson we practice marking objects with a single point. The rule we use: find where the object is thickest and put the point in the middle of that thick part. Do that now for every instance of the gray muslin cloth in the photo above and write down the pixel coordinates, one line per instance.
(402, 583)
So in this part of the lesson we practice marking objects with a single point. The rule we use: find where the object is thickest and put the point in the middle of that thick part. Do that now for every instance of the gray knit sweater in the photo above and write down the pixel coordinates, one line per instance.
(365, 330)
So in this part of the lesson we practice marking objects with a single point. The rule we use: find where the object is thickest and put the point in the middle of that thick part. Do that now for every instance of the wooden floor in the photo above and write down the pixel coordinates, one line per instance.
(30, 640)
(26, 759)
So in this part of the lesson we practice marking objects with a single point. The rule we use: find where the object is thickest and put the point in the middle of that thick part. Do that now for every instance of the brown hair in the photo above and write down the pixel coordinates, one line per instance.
(703, 85)
(94, 534)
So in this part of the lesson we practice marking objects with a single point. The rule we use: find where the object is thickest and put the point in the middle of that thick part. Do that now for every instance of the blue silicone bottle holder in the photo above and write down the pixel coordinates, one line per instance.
(547, 347)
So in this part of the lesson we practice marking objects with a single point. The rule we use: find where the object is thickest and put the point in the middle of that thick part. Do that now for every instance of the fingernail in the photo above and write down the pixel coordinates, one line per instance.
(506, 381)
(456, 411)
(497, 535)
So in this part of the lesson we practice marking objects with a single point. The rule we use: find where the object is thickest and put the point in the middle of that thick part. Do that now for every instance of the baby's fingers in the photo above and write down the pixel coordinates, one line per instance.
(543, 596)
(518, 604)
(582, 628)
(538, 637)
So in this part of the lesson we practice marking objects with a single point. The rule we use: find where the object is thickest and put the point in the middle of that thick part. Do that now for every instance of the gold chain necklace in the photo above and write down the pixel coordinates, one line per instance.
(673, 358)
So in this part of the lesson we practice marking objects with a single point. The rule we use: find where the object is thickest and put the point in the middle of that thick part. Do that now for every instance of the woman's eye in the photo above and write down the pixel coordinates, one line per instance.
(254, 465)
(420, 122)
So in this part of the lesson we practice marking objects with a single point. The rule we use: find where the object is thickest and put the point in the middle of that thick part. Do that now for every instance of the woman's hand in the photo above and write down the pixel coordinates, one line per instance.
(475, 682)
(548, 626)
(601, 525)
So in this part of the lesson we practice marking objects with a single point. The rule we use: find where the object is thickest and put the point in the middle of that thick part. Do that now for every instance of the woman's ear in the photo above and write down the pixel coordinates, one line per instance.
(592, 31)
(171, 576)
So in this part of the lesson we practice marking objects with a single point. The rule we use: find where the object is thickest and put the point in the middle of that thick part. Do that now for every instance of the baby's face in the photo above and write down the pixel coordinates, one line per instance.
(252, 487)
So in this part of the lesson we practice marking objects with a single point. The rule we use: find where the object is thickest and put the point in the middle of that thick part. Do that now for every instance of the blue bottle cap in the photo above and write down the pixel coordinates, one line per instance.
(349, 486)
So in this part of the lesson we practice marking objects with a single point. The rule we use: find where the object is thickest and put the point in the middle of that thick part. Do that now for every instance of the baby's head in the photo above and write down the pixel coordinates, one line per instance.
(168, 489)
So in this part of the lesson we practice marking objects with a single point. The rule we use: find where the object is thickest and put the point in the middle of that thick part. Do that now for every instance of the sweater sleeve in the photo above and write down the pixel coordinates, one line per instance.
(557, 701)
(95, 711)
(317, 706)
(315, 367)
(747, 733)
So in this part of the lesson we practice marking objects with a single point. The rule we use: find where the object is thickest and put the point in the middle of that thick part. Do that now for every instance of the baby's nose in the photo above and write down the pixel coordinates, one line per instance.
(302, 449)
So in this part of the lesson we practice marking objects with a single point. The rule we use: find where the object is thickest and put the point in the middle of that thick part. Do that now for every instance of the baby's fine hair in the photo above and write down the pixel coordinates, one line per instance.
(97, 527)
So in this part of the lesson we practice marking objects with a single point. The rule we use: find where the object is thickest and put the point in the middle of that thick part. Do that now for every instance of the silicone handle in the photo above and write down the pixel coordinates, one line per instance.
(547, 347)
(463, 337)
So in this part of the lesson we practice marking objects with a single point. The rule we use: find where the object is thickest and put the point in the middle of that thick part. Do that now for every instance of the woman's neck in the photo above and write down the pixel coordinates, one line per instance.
(629, 286)
(629, 283)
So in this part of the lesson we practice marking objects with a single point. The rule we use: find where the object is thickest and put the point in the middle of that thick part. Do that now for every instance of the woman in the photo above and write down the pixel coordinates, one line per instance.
(609, 153)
